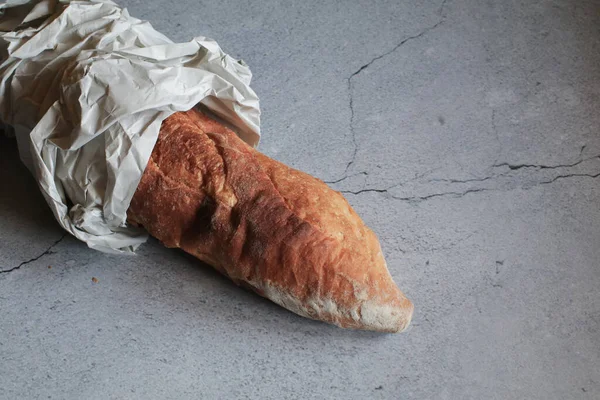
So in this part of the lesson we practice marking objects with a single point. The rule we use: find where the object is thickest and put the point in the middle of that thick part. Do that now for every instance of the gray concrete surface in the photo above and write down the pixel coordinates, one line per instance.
(466, 133)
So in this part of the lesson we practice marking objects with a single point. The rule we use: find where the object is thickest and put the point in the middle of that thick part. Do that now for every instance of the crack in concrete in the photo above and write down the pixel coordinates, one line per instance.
(442, 18)
(472, 190)
(514, 167)
(365, 190)
(46, 252)
(430, 196)
(373, 189)
(464, 180)
(352, 132)
(396, 47)
(419, 198)
(569, 176)
(346, 177)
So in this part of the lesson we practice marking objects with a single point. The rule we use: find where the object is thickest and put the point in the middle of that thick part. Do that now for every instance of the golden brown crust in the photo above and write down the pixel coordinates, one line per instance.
(281, 232)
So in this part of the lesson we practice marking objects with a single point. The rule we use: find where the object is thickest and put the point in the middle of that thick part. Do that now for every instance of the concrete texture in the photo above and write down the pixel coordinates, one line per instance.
(466, 133)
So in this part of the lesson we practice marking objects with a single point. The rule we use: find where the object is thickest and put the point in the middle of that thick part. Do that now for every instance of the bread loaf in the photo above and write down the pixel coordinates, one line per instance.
(278, 231)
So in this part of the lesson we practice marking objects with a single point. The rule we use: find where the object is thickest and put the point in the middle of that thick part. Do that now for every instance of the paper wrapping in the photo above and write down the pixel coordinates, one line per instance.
(84, 88)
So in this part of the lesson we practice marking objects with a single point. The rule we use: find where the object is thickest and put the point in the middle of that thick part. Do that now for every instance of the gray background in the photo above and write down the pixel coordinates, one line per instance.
(465, 133)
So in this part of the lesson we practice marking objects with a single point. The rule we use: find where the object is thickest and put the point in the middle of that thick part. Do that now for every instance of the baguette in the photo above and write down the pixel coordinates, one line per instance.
(278, 231)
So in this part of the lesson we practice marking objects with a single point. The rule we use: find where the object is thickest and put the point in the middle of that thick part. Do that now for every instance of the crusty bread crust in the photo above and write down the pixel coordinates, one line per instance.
(281, 232)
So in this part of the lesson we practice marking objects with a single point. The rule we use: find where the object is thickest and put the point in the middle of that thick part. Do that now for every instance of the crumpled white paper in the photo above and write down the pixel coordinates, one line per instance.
(85, 87)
